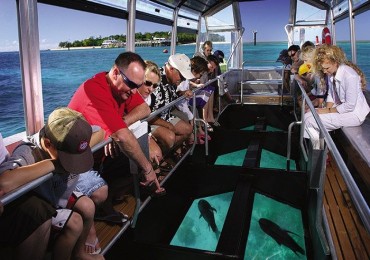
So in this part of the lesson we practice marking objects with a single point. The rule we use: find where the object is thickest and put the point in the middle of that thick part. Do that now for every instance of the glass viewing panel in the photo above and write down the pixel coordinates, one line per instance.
(340, 7)
(309, 15)
(223, 20)
(148, 7)
(186, 23)
(358, 3)
(11, 99)
(185, 12)
(120, 4)
(313, 34)
(203, 223)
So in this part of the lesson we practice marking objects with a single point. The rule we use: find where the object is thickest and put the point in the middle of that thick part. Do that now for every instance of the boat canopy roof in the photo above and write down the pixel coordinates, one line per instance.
(302, 12)
(313, 12)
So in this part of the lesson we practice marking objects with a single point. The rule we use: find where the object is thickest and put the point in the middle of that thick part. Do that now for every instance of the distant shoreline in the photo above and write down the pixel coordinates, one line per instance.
(75, 48)
(98, 47)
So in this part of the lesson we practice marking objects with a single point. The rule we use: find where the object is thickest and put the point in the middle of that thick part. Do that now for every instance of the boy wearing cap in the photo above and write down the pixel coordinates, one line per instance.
(62, 147)
(176, 70)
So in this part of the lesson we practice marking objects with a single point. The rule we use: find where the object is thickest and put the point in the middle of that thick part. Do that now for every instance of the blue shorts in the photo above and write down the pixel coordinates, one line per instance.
(89, 182)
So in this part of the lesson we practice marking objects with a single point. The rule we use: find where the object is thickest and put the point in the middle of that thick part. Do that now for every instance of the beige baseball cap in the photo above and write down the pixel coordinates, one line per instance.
(70, 133)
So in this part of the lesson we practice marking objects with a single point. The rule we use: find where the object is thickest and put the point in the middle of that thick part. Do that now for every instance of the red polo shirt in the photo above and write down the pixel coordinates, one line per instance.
(94, 99)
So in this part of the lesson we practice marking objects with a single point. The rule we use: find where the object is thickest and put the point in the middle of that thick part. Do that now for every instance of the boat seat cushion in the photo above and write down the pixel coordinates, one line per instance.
(359, 136)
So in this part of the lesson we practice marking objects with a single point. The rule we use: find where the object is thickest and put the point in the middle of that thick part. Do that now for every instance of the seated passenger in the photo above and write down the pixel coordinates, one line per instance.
(62, 147)
(110, 100)
(198, 67)
(346, 104)
(207, 109)
(173, 73)
(20, 228)
(151, 82)
(294, 52)
(316, 82)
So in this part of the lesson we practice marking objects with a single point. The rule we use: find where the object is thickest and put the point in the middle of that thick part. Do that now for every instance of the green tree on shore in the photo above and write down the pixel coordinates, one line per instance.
(182, 38)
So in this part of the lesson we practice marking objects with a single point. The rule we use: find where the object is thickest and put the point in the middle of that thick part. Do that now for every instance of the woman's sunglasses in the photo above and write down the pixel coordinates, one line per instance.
(148, 83)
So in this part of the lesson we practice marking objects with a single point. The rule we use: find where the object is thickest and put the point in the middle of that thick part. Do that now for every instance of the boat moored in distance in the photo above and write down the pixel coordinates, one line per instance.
(258, 189)
(111, 43)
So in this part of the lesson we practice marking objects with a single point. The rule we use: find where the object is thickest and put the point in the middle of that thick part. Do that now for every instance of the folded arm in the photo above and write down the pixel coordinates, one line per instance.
(139, 112)
(12, 179)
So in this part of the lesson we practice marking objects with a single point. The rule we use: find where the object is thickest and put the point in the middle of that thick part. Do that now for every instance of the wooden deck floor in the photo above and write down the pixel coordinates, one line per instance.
(105, 231)
(350, 238)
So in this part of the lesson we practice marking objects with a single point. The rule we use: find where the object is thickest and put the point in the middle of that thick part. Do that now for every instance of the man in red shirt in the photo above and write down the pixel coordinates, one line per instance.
(110, 100)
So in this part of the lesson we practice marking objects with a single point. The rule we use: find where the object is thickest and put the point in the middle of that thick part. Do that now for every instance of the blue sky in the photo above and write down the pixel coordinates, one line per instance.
(59, 24)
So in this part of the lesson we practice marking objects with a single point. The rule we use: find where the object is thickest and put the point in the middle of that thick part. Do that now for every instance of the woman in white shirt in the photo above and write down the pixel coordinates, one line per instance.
(346, 104)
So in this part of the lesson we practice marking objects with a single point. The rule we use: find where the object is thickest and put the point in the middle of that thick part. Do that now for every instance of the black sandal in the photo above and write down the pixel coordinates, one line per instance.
(114, 217)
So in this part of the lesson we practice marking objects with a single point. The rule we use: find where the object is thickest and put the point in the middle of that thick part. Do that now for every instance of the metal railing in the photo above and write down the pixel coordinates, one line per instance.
(355, 194)
(279, 81)
(234, 47)
(16, 193)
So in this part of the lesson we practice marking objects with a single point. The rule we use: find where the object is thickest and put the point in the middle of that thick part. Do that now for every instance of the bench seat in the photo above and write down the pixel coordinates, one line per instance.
(359, 137)
(355, 142)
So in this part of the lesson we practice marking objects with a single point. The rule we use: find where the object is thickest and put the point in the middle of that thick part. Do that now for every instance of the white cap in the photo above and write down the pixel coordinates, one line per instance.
(181, 62)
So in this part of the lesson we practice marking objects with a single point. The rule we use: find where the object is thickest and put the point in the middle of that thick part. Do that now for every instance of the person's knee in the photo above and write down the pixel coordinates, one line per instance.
(170, 139)
(100, 195)
(86, 207)
(188, 129)
(74, 225)
(183, 128)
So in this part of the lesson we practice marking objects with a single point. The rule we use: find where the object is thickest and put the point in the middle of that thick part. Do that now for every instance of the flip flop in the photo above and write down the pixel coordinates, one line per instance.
(114, 217)
(93, 245)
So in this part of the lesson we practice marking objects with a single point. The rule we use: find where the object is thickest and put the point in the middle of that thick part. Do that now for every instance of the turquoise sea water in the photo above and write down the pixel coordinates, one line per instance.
(63, 71)
(263, 246)
(194, 231)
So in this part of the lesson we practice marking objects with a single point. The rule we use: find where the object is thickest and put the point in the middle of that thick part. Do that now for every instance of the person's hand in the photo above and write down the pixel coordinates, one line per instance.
(112, 149)
(1, 204)
(151, 179)
(188, 94)
(303, 83)
(322, 110)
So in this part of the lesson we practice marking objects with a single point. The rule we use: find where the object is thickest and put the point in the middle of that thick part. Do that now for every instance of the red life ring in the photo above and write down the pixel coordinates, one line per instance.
(326, 37)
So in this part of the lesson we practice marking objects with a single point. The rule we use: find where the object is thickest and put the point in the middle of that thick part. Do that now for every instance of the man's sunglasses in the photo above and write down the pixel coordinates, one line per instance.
(128, 82)
(148, 83)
